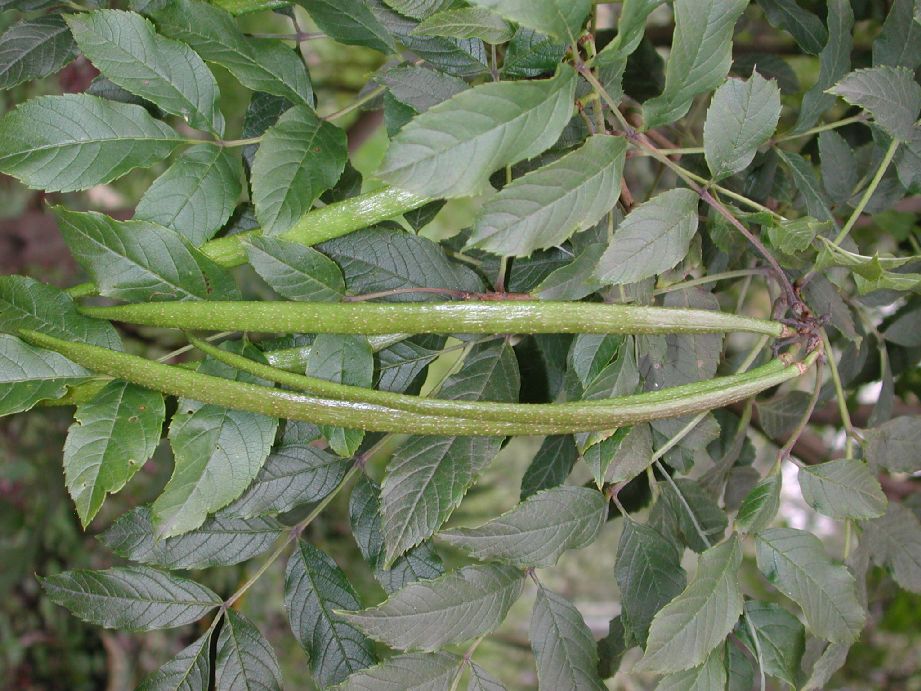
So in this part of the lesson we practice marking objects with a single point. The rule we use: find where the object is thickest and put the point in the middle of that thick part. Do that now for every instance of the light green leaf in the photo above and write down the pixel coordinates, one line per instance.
(419, 9)
(75, 141)
(895, 542)
(27, 304)
(536, 532)
(546, 206)
(455, 607)
(428, 475)
(345, 360)
(742, 116)
(562, 19)
(33, 49)
(295, 271)
(220, 541)
(805, 27)
(299, 158)
(550, 466)
(760, 506)
(140, 261)
(126, 48)
(217, 453)
(132, 598)
(349, 22)
(899, 42)
(451, 149)
(869, 273)
(481, 680)
(420, 562)
(29, 375)
(314, 587)
(688, 628)
(189, 670)
(781, 639)
(795, 236)
(830, 661)
(563, 645)
(196, 195)
(467, 22)
(531, 54)
(294, 473)
(890, 94)
(709, 675)
(795, 561)
(834, 62)
(894, 445)
(842, 489)
(409, 672)
(419, 87)
(259, 64)
(700, 57)
(653, 238)
(112, 437)
(649, 575)
(245, 659)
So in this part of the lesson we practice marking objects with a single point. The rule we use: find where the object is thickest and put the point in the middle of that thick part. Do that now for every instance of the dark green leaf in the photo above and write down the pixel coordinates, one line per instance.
(140, 261)
(805, 27)
(467, 22)
(531, 54)
(890, 94)
(133, 598)
(196, 195)
(419, 87)
(245, 659)
(761, 505)
(455, 607)
(895, 542)
(899, 42)
(562, 19)
(71, 142)
(220, 541)
(781, 639)
(33, 49)
(125, 47)
(842, 489)
(314, 587)
(349, 22)
(410, 672)
(29, 375)
(189, 670)
(808, 186)
(419, 9)
(840, 172)
(551, 465)
(295, 271)
(113, 436)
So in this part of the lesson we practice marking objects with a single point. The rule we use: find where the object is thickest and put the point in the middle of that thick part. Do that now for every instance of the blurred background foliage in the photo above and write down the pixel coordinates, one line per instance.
(43, 647)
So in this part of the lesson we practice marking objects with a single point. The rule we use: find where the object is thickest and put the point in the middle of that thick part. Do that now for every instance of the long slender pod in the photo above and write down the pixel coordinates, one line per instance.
(575, 417)
(372, 318)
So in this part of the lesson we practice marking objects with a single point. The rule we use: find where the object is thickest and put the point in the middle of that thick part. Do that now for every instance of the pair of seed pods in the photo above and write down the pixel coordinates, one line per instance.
(327, 403)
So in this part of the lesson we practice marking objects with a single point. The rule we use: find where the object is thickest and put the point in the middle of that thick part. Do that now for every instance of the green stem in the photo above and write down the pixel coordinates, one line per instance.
(562, 418)
(372, 318)
(712, 278)
(868, 193)
(804, 420)
(820, 128)
(839, 395)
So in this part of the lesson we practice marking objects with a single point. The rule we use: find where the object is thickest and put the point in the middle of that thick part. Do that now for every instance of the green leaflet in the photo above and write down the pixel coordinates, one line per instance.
(546, 206)
(795, 561)
(760, 506)
(653, 238)
(314, 587)
(345, 360)
(467, 22)
(113, 436)
(428, 475)
(842, 489)
(781, 638)
(419, 87)
(33, 49)
(539, 530)
(141, 261)
(294, 271)
(895, 542)
(805, 27)
(687, 629)
(700, 56)
(300, 157)
(451, 149)
(742, 116)
(126, 49)
(28, 304)
(245, 659)
(890, 94)
(196, 195)
(189, 670)
(29, 375)
(409, 672)
(220, 541)
(894, 445)
(531, 54)
(418, 9)
(71, 142)
(217, 453)
(834, 62)
(481, 680)
(132, 598)
(899, 42)
(710, 674)
(349, 22)
(458, 606)
(649, 575)
(259, 64)
(563, 646)
(562, 19)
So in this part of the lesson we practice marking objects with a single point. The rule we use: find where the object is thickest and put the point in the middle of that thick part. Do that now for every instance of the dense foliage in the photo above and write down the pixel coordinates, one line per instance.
(671, 244)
